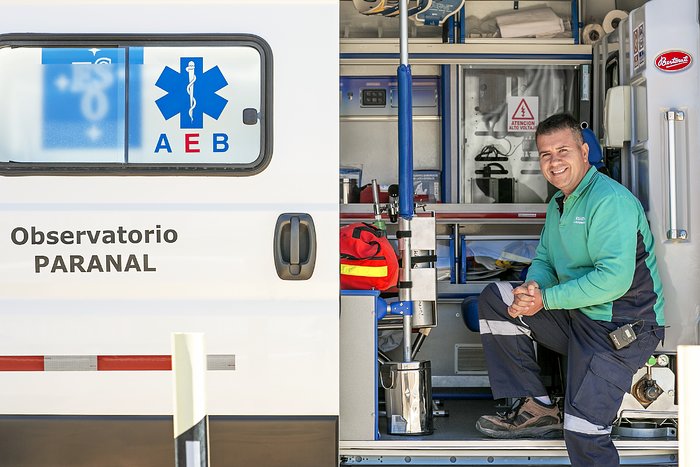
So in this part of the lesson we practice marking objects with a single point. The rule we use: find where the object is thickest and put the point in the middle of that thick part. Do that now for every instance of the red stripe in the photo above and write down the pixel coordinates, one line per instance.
(134, 363)
(22, 363)
(490, 215)
(104, 363)
(457, 215)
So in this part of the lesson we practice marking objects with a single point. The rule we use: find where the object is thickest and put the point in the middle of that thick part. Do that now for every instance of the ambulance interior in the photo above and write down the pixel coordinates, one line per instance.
(478, 187)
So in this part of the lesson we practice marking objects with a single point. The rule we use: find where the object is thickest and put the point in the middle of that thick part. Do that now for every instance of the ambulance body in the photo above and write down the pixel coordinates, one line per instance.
(112, 243)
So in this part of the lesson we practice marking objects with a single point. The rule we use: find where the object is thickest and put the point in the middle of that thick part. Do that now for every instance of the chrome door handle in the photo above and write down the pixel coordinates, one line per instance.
(673, 232)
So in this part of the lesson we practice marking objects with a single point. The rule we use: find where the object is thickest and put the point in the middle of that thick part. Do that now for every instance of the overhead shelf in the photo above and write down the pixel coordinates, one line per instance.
(539, 51)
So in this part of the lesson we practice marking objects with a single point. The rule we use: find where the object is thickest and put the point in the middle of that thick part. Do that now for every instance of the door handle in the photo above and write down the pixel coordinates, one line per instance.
(295, 246)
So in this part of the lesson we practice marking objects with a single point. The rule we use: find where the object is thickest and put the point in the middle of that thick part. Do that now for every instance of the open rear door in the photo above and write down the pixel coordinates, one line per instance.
(173, 178)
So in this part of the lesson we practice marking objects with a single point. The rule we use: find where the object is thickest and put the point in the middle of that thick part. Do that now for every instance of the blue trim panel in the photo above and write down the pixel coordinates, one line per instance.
(575, 26)
(377, 303)
(360, 292)
(446, 134)
(450, 30)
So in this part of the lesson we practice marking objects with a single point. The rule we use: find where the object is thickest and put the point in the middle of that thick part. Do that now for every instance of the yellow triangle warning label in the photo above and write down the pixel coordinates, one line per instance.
(522, 112)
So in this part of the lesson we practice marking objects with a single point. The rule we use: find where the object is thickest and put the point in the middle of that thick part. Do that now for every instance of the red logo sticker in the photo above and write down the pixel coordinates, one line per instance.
(673, 60)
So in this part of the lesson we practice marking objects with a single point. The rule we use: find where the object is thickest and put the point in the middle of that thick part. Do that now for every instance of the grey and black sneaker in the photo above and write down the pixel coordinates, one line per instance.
(527, 418)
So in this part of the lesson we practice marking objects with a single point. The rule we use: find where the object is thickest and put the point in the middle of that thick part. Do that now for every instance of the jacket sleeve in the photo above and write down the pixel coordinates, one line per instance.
(541, 270)
(612, 246)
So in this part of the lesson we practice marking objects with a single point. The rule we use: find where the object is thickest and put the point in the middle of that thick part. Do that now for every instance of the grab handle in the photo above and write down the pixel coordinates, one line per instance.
(673, 232)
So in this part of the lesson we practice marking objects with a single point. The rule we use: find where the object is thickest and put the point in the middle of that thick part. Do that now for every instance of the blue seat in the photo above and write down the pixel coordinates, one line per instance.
(470, 312)
(595, 152)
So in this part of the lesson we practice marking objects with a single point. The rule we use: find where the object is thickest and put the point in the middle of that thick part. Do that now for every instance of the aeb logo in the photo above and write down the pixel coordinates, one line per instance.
(191, 94)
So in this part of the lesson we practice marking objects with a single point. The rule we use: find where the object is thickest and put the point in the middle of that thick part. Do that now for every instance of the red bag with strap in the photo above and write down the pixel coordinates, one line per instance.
(367, 259)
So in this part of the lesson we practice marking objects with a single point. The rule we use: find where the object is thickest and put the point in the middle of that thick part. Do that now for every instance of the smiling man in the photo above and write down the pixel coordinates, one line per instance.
(592, 293)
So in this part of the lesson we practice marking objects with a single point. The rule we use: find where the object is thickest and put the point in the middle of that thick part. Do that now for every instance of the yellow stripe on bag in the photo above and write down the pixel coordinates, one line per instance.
(364, 271)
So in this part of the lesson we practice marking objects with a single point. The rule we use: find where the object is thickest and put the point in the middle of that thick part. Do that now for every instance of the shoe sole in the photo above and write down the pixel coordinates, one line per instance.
(550, 431)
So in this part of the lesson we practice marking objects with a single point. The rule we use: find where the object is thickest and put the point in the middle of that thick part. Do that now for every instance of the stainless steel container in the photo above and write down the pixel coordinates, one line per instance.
(349, 191)
(409, 397)
(344, 190)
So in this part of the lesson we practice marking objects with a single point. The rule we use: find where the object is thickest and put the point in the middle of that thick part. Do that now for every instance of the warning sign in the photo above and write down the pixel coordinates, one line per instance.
(522, 113)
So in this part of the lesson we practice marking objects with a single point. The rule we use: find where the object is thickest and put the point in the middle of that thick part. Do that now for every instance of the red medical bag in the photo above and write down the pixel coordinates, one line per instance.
(367, 259)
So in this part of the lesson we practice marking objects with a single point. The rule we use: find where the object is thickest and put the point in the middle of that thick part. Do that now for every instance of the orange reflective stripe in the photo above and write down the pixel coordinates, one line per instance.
(364, 271)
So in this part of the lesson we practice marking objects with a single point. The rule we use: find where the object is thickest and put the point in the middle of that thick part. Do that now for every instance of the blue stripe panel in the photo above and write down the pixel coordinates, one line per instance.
(405, 142)
(446, 129)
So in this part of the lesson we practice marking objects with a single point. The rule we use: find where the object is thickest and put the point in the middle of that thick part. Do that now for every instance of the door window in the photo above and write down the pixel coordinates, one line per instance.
(186, 104)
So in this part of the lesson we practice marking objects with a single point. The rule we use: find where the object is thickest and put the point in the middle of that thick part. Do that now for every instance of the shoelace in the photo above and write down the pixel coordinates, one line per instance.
(513, 411)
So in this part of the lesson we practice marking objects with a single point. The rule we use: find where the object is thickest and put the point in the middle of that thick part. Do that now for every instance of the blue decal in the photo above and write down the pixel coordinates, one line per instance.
(84, 97)
(191, 93)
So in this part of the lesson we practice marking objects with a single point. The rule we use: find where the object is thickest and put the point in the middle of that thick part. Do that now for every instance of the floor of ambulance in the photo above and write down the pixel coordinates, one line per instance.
(460, 422)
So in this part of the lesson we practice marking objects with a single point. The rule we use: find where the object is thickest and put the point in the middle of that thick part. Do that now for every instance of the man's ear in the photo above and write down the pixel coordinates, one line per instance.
(584, 151)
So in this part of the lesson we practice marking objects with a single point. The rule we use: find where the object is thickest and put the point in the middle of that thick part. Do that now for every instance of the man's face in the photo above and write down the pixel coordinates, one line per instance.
(563, 159)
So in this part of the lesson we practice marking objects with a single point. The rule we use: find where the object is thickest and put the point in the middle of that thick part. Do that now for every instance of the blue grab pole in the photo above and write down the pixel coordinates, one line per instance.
(405, 142)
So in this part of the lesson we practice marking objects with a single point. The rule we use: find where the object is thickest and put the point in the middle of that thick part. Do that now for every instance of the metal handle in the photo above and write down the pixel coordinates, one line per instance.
(383, 371)
(294, 240)
(673, 233)
(295, 246)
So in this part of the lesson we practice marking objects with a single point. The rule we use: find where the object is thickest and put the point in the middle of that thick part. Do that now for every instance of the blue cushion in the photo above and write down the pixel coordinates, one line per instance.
(470, 313)
(595, 152)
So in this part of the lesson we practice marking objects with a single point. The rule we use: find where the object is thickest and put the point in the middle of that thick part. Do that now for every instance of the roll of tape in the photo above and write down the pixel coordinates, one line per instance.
(612, 20)
(592, 33)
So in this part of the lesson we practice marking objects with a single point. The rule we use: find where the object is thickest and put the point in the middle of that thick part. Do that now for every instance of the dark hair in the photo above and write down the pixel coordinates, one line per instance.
(558, 122)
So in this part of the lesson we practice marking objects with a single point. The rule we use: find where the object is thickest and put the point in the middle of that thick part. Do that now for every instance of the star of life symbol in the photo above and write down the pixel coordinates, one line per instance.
(191, 93)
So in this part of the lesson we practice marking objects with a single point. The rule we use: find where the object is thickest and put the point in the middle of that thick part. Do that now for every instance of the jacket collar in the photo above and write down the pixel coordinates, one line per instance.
(581, 187)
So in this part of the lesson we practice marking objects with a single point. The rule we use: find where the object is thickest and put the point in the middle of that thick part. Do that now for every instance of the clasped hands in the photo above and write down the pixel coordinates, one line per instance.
(528, 300)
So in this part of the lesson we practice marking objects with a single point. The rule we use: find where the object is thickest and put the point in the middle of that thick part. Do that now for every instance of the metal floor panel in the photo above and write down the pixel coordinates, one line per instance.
(456, 441)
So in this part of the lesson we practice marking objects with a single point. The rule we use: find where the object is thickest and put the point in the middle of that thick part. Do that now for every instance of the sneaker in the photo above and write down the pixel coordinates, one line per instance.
(527, 418)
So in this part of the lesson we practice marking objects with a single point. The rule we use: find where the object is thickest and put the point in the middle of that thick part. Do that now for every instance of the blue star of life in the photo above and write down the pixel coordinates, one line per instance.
(191, 93)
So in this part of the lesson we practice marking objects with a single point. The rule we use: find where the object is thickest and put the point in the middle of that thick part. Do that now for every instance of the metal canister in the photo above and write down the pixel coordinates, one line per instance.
(409, 397)
(344, 190)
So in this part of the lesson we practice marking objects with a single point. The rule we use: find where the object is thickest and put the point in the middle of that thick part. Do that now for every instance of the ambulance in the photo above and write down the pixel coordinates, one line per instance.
(179, 167)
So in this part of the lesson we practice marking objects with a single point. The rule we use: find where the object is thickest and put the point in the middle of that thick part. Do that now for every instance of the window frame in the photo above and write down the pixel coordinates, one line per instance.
(153, 40)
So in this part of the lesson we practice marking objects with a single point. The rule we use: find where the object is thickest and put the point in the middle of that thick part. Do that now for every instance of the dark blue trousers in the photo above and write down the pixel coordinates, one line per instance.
(597, 375)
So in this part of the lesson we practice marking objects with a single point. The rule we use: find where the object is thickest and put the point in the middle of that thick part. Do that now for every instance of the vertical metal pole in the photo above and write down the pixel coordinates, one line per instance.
(403, 33)
(190, 422)
(405, 292)
(405, 174)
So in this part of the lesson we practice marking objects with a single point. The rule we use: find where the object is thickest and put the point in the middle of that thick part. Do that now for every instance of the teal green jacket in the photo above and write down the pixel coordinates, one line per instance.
(596, 254)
